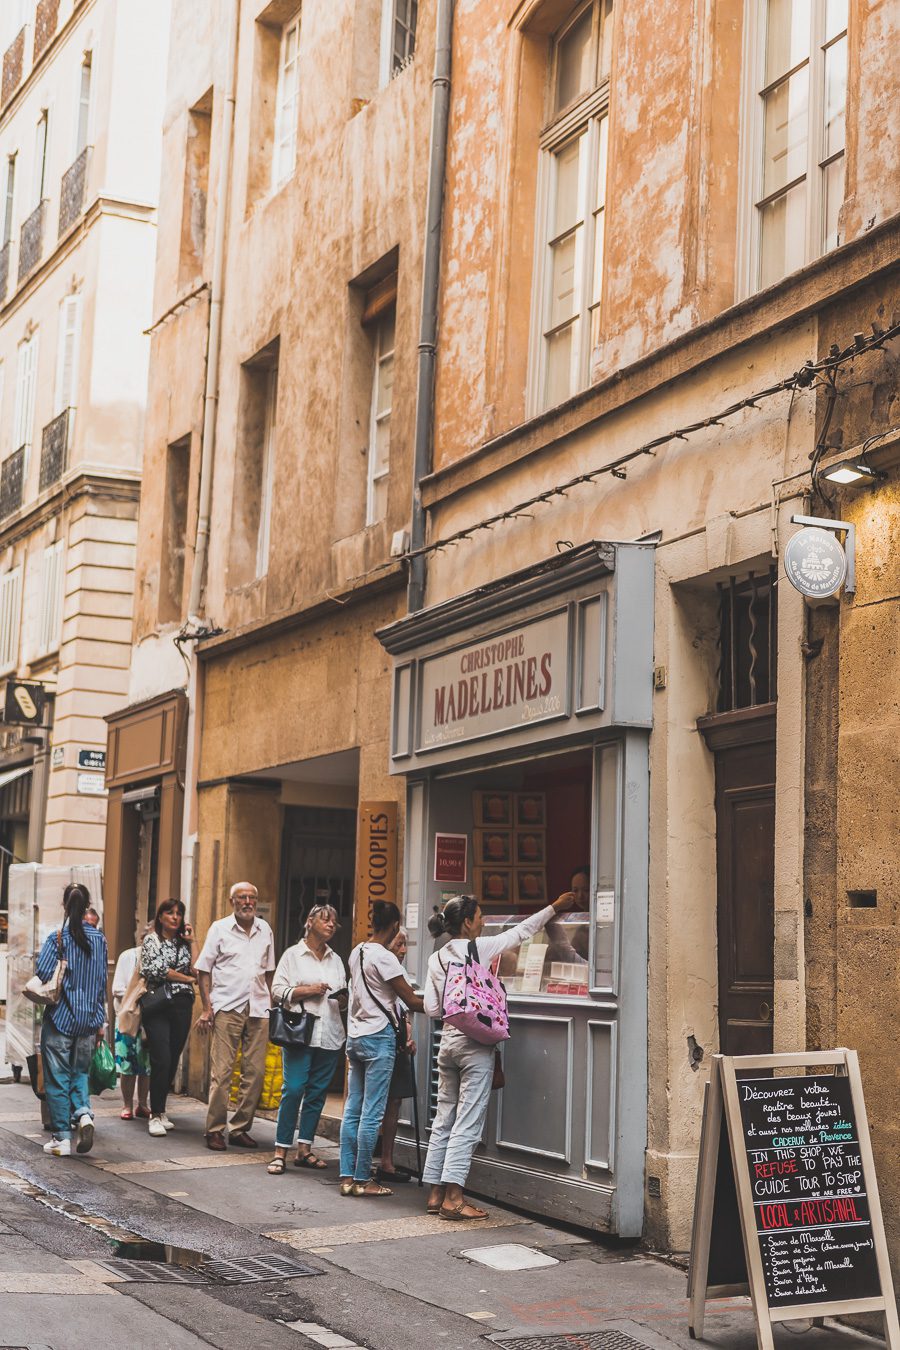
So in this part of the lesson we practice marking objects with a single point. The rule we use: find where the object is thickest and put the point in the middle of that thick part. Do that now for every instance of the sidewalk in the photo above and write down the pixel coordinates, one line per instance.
(395, 1278)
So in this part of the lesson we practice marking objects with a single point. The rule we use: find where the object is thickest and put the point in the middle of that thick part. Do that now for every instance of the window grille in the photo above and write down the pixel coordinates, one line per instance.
(748, 652)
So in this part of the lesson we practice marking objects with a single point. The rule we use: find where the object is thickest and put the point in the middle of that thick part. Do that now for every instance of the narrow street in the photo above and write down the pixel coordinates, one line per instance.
(392, 1279)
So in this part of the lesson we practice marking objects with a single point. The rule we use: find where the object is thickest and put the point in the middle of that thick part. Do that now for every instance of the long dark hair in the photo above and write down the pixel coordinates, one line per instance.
(384, 915)
(163, 908)
(451, 918)
(76, 900)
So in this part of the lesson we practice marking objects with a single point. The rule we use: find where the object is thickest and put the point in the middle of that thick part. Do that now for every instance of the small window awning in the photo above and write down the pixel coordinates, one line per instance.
(11, 775)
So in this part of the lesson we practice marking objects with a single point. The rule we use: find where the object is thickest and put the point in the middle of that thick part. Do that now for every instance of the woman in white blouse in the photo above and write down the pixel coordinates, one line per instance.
(309, 973)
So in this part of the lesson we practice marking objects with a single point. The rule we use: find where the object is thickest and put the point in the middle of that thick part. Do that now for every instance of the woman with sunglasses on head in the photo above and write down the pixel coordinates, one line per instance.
(168, 960)
(306, 976)
(465, 1067)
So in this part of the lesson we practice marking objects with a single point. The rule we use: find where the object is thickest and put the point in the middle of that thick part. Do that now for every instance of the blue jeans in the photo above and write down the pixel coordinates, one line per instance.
(371, 1060)
(307, 1072)
(465, 1071)
(67, 1061)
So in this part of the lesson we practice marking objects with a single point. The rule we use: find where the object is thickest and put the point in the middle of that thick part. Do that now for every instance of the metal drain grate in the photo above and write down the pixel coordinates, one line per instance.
(575, 1340)
(238, 1270)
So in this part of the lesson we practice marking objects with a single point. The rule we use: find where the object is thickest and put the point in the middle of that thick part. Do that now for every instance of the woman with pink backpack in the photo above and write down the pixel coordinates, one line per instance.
(461, 990)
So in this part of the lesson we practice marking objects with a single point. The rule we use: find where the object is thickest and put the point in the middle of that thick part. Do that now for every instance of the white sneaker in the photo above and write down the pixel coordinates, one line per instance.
(60, 1148)
(85, 1134)
(167, 1124)
(156, 1127)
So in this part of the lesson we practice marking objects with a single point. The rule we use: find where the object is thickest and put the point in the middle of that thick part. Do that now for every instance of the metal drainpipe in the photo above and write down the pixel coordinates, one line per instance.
(431, 277)
(211, 390)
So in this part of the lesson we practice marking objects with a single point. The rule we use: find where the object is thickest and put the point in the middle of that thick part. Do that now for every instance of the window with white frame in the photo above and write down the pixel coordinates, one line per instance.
(52, 581)
(10, 618)
(797, 89)
(82, 120)
(572, 211)
(286, 104)
(399, 19)
(9, 198)
(379, 457)
(67, 353)
(26, 388)
(39, 168)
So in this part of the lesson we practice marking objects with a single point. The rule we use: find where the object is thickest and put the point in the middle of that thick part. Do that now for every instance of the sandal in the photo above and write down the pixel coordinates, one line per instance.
(126, 1114)
(310, 1160)
(360, 1189)
(347, 1188)
(457, 1216)
(276, 1167)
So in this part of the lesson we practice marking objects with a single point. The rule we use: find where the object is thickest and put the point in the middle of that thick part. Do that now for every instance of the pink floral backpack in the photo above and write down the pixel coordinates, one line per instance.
(475, 1000)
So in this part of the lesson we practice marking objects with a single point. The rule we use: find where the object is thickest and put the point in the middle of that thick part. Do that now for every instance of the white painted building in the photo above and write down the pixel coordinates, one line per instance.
(81, 105)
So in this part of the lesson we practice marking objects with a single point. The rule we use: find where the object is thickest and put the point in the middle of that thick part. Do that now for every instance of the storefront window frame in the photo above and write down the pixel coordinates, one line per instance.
(596, 990)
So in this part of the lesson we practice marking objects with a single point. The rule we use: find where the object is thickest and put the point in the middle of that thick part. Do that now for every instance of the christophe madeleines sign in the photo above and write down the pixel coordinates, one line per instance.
(496, 684)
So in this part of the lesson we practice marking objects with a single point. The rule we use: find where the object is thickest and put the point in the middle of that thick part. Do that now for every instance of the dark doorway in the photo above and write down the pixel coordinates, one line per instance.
(318, 868)
(744, 747)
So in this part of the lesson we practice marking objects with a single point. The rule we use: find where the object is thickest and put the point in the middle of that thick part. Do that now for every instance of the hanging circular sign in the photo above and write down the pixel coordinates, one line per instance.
(815, 563)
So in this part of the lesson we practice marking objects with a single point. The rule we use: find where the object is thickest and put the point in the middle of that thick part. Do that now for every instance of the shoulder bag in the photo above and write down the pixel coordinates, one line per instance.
(47, 993)
(128, 1018)
(399, 1022)
(288, 1028)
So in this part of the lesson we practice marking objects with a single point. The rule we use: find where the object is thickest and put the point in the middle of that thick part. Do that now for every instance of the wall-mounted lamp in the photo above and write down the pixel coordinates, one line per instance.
(857, 471)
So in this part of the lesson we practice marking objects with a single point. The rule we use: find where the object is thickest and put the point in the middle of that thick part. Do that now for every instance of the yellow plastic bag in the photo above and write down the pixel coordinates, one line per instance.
(270, 1097)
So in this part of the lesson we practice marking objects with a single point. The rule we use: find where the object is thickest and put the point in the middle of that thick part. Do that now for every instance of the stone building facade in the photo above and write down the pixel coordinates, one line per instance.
(669, 258)
(79, 164)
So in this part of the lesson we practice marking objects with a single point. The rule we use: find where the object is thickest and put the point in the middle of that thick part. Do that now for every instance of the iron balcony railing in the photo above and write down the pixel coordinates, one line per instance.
(5, 252)
(71, 191)
(45, 20)
(13, 63)
(55, 448)
(12, 481)
(31, 244)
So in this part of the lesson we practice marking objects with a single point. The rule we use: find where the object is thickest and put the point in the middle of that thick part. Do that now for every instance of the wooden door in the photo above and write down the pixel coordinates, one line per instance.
(744, 747)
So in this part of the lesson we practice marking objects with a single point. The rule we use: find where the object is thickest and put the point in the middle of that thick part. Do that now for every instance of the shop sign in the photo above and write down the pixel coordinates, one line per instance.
(376, 862)
(499, 683)
(91, 784)
(815, 563)
(450, 857)
(92, 759)
(24, 703)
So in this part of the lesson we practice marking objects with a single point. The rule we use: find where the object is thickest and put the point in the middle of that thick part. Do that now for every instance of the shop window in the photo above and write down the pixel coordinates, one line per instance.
(573, 153)
(52, 592)
(254, 467)
(10, 618)
(746, 674)
(174, 531)
(794, 159)
(196, 189)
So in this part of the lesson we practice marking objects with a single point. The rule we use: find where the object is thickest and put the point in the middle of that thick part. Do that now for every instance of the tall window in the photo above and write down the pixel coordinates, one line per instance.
(39, 170)
(573, 196)
(254, 467)
(285, 151)
(10, 618)
(267, 470)
(52, 576)
(67, 353)
(84, 106)
(26, 385)
(398, 36)
(9, 199)
(800, 97)
(379, 459)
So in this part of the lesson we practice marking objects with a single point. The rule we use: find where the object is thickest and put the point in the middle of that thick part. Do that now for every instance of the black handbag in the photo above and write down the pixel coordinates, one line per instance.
(290, 1029)
(154, 999)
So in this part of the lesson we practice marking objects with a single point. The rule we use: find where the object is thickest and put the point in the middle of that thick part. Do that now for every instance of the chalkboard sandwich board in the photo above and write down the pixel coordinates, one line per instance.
(787, 1205)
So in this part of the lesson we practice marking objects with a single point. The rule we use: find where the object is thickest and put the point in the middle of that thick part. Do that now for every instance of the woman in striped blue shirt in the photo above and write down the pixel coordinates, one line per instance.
(73, 1026)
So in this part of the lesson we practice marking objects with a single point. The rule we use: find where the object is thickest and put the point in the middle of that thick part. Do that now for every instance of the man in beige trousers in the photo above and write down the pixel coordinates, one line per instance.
(235, 971)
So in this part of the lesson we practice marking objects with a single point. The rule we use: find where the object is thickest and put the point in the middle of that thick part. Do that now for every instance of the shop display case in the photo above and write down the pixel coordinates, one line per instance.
(554, 961)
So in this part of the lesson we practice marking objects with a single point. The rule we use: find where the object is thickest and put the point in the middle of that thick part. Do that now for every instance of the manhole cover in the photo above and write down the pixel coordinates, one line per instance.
(239, 1270)
(576, 1340)
(153, 1272)
(245, 1269)
(509, 1256)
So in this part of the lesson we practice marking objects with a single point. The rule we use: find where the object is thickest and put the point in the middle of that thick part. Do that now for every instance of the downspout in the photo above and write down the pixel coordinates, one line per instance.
(431, 279)
(211, 390)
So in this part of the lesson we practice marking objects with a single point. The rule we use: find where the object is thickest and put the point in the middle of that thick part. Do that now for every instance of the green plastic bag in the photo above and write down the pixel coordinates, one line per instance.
(103, 1069)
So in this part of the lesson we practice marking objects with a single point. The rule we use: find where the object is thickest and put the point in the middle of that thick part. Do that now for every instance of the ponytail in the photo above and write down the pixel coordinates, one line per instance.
(76, 901)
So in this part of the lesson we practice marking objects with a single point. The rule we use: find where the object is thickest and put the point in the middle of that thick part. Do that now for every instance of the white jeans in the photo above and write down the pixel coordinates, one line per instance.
(465, 1070)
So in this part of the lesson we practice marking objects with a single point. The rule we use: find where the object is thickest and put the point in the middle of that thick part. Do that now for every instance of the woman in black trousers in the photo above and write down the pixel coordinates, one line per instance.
(168, 958)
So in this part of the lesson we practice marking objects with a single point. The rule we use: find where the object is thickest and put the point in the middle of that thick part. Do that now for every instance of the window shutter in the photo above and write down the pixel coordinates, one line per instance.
(23, 422)
(52, 574)
(10, 615)
(67, 353)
